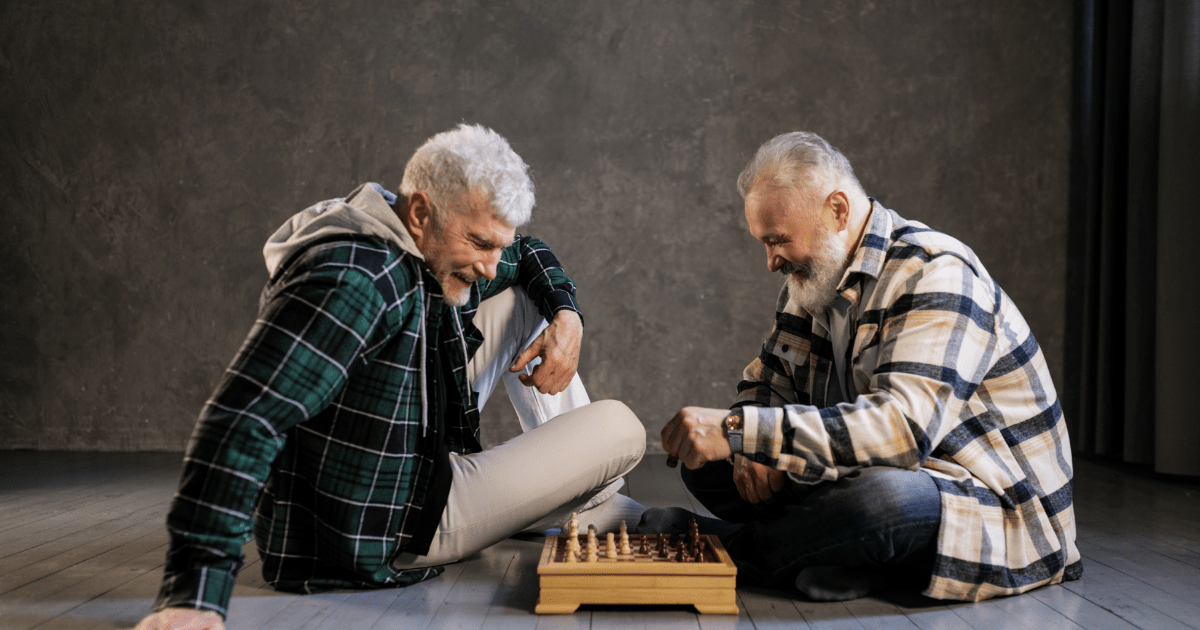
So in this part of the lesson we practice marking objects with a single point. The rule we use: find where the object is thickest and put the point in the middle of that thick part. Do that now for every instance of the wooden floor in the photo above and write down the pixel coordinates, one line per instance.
(82, 543)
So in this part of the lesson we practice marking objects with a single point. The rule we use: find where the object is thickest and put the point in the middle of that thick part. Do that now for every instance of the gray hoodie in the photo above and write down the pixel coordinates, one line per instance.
(367, 211)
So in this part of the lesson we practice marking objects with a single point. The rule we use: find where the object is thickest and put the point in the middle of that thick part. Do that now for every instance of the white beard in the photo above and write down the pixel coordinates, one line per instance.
(459, 298)
(454, 299)
(817, 289)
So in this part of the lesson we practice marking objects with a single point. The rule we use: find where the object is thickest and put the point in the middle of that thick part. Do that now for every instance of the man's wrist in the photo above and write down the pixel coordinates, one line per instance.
(569, 314)
(734, 427)
(203, 588)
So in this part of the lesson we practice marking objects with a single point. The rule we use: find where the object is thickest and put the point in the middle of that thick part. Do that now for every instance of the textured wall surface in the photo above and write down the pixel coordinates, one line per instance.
(149, 148)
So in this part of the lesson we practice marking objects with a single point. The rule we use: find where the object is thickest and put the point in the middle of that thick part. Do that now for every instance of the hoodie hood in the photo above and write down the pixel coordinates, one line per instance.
(366, 211)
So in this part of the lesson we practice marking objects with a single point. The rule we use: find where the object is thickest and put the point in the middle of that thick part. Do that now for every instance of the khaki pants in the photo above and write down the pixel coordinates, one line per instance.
(570, 458)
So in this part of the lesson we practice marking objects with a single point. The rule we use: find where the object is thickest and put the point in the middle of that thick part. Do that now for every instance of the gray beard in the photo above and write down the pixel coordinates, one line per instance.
(454, 299)
(817, 289)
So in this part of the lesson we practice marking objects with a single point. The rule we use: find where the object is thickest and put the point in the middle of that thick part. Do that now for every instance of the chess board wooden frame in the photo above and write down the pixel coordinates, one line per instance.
(709, 586)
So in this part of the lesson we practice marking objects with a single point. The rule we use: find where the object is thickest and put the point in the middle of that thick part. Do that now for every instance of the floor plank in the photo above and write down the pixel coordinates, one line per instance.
(1132, 599)
(876, 614)
(417, 604)
(929, 614)
(518, 591)
(768, 611)
(82, 542)
(64, 552)
(1015, 612)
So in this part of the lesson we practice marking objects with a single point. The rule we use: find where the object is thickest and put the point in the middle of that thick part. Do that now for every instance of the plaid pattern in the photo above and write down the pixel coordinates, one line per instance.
(319, 420)
(944, 374)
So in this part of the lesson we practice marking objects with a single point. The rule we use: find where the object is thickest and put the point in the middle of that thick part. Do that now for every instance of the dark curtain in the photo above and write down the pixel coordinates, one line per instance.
(1133, 223)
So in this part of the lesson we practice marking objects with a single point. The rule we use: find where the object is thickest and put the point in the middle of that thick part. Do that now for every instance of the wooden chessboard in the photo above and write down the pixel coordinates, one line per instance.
(708, 583)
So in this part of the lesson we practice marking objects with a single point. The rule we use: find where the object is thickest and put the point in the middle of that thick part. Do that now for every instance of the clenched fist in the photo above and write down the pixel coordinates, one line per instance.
(696, 436)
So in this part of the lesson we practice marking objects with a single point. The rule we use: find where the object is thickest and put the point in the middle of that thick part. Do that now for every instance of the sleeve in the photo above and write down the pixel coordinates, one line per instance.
(294, 361)
(530, 263)
(937, 341)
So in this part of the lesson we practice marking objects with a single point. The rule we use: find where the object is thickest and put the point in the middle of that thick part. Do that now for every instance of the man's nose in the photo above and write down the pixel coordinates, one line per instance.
(487, 266)
(774, 261)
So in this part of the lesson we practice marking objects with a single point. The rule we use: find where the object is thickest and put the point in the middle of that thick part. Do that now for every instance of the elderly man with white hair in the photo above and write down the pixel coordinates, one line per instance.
(899, 421)
(348, 423)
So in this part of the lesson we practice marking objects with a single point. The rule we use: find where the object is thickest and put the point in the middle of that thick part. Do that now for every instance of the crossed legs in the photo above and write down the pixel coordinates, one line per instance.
(878, 520)
(570, 458)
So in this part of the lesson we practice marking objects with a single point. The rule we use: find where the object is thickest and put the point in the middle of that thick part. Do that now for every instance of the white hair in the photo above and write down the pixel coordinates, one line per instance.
(471, 158)
(797, 160)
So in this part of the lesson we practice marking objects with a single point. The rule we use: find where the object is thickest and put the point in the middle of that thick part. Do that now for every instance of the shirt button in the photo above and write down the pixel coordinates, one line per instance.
(760, 458)
(785, 347)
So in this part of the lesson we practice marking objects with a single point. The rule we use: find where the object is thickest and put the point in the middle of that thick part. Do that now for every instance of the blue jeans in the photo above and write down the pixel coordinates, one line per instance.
(873, 517)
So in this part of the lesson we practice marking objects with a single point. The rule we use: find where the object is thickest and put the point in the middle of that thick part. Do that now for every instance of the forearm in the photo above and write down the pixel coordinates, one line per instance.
(210, 518)
(883, 428)
(294, 360)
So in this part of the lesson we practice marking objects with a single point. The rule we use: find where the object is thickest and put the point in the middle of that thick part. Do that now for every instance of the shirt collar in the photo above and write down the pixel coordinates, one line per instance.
(872, 248)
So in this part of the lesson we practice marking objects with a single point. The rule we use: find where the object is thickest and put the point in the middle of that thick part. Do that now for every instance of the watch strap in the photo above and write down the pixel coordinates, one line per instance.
(734, 435)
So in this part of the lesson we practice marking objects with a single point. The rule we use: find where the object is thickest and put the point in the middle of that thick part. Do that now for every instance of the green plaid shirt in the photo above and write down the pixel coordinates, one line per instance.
(319, 420)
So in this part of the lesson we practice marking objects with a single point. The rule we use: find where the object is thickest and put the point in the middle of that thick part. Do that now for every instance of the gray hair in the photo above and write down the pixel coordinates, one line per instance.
(796, 160)
(453, 164)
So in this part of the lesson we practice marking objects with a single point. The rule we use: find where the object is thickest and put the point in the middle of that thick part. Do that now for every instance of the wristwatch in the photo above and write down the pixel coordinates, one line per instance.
(734, 423)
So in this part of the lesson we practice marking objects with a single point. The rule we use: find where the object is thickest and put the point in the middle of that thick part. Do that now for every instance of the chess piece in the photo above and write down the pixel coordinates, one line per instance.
(662, 546)
(625, 550)
(610, 546)
(573, 538)
(645, 546)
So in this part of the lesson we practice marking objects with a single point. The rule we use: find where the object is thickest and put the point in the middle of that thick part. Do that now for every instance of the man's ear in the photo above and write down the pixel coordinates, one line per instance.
(415, 215)
(840, 205)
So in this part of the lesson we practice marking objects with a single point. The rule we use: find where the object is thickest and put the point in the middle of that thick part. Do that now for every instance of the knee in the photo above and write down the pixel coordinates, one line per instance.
(606, 429)
(621, 427)
(891, 493)
(624, 427)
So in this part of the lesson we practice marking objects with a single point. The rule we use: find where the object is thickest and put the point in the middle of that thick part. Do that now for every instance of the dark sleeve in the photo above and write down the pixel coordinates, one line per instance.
(295, 359)
(530, 263)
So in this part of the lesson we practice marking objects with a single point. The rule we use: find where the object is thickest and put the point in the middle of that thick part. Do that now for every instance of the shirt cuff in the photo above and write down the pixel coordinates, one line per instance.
(762, 433)
(558, 300)
(204, 588)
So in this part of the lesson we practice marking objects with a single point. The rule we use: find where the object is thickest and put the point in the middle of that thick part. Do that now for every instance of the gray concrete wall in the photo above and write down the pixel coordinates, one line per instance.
(148, 148)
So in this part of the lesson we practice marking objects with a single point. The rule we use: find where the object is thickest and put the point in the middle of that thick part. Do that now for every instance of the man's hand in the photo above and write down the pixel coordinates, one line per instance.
(696, 436)
(558, 346)
(754, 481)
(182, 619)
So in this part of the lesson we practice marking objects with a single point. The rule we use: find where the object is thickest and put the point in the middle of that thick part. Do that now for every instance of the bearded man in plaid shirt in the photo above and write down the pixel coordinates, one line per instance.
(348, 423)
(899, 423)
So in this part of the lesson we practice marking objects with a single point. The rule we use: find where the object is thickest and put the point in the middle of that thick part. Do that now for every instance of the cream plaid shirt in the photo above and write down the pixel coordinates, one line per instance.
(942, 374)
